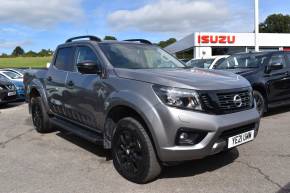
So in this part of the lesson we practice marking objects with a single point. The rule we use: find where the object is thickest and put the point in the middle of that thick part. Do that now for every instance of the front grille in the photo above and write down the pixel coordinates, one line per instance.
(227, 102)
(10, 87)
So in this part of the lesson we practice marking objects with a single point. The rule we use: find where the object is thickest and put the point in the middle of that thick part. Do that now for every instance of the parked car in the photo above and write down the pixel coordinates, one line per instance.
(184, 60)
(208, 62)
(7, 92)
(142, 103)
(268, 73)
(18, 71)
(17, 80)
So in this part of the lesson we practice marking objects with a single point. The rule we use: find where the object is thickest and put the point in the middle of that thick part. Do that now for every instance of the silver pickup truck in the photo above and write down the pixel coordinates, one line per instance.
(142, 103)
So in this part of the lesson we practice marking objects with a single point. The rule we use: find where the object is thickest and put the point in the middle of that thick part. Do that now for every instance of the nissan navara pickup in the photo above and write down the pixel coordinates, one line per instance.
(142, 103)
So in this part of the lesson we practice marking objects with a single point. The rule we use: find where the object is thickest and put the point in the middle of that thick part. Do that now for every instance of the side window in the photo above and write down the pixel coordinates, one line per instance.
(86, 54)
(288, 56)
(64, 60)
(278, 58)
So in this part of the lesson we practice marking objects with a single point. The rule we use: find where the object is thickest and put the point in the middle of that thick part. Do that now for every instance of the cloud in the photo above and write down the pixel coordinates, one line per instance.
(176, 16)
(5, 44)
(39, 13)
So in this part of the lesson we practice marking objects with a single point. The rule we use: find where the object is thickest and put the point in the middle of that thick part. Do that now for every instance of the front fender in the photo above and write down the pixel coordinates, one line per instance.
(141, 105)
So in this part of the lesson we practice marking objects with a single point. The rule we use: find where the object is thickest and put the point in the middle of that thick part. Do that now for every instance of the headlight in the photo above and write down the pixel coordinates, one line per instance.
(180, 98)
(1, 88)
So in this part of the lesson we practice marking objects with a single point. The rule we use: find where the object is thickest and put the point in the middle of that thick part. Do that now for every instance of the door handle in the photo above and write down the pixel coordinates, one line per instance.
(70, 83)
(49, 78)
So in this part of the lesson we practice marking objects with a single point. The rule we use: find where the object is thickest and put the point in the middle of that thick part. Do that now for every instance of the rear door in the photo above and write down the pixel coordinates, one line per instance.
(56, 80)
(86, 91)
(278, 81)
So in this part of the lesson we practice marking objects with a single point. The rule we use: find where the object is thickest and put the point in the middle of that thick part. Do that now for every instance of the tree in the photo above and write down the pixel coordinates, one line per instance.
(166, 43)
(44, 52)
(31, 54)
(110, 38)
(3, 55)
(276, 23)
(18, 51)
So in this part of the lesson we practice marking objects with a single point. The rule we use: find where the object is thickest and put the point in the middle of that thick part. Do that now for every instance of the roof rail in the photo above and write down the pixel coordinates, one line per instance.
(139, 40)
(92, 38)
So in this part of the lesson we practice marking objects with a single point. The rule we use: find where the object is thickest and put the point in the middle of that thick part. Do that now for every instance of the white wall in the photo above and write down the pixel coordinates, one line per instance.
(246, 39)
(202, 52)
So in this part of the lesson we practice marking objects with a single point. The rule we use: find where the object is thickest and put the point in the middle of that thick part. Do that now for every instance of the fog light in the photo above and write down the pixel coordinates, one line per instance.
(189, 137)
(183, 136)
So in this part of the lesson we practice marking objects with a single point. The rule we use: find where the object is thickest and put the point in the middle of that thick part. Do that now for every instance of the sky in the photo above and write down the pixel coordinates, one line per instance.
(37, 24)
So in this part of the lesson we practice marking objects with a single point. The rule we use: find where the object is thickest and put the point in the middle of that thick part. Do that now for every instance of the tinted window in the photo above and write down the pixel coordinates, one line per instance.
(135, 56)
(278, 58)
(201, 63)
(288, 56)
(64, 59)
(242, 61)
(86, 54)
(11, 74)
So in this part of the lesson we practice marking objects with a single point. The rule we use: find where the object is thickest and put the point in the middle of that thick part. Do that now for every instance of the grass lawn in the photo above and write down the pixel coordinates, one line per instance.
(24, 62)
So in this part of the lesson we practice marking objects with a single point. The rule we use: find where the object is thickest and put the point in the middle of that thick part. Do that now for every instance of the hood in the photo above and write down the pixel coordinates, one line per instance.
(4, 82)
(195, 78)
(18, 82)
(243, 71)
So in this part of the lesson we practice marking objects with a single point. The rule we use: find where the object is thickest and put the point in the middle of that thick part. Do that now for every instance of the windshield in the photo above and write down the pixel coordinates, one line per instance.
(242, 61)
(135, 56)
(3, 78)
(12, 75)
(201, 63)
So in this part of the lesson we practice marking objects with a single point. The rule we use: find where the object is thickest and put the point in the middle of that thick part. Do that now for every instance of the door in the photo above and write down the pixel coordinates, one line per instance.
(56, 80)
(86, 90)
(278, 81)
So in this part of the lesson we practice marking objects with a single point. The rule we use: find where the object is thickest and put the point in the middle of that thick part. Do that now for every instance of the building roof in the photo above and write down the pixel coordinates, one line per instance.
(181, 45)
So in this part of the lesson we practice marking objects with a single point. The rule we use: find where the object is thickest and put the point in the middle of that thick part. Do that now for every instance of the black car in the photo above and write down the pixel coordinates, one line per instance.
(7, 92)
(268, 73)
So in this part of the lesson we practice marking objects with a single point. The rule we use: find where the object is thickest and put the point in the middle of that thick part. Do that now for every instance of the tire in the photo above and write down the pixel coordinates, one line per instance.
(3, 104)
(40, 118)
(260, 102)
(133, 154)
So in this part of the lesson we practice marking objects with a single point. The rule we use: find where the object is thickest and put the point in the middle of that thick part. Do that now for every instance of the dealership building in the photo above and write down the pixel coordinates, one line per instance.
(205, 44)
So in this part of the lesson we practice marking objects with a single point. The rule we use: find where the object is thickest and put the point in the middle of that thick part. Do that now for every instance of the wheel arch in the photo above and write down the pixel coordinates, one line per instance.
(261, 89)
(122, 110)
(35, 89)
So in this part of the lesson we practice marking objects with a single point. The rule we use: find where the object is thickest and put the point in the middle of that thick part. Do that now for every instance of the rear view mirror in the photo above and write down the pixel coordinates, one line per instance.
(89, 67)
(275, 66)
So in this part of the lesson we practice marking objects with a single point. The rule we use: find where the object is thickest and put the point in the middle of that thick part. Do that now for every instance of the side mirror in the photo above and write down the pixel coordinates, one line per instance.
(275, 66)
(89, 67)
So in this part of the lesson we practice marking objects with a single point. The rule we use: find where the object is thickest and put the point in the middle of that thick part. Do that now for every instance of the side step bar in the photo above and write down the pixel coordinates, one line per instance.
(79, 131)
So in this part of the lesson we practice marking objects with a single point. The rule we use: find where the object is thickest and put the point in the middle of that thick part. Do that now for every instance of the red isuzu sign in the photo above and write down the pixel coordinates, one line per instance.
(217, 39)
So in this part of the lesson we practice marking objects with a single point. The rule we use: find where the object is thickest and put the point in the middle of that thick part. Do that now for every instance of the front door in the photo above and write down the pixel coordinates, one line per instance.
(278, 81)
(86, 91)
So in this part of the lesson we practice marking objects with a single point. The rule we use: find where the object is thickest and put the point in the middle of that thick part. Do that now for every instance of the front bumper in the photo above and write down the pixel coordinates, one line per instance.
(20, 94)
(173, 119)
(4, 98)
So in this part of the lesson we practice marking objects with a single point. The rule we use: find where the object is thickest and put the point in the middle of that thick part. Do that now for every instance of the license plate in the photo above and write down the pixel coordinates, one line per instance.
(11, 93)
(241, 138)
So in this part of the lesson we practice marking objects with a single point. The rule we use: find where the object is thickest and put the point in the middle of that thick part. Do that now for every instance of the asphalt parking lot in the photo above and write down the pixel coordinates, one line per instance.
(60, 162)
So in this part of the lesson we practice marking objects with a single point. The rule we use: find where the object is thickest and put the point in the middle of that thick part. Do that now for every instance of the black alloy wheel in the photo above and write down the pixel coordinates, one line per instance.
(40, 118)
(130, 153)
(37, 116)
(133, 153)
(260, 102)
